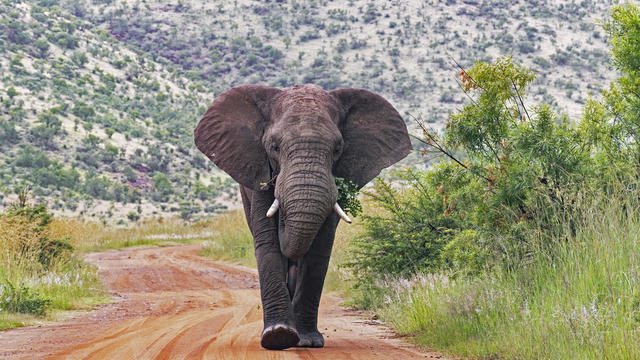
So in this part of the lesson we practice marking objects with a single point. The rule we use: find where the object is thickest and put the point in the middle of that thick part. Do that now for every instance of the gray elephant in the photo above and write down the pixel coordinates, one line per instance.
(284, 147)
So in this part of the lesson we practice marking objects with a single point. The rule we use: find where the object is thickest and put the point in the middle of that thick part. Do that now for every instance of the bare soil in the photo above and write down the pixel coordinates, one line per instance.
(171, 303)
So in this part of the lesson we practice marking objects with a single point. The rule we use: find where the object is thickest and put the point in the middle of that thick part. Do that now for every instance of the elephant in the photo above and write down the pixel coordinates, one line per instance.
(284, 147)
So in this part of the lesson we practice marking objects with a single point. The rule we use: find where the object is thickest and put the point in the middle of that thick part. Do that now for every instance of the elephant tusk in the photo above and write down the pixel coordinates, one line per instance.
(341, 213)
(274, 208)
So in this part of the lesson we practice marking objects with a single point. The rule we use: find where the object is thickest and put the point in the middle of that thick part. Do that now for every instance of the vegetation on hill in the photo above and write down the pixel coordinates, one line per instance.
(90, 123)
(99, 98)
(521, 241)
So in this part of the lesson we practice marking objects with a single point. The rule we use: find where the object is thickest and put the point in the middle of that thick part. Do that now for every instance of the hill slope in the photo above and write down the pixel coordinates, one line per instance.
(100, 98)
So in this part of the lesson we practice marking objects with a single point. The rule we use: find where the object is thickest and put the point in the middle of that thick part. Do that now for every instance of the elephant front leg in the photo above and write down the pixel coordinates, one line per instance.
(312, 269)
(279, 324)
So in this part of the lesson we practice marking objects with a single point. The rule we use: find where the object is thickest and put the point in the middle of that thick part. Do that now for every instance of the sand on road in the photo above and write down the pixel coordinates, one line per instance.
(171, 303)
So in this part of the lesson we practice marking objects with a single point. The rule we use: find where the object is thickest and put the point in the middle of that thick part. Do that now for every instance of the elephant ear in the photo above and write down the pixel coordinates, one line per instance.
(374, 134)
(230, 133)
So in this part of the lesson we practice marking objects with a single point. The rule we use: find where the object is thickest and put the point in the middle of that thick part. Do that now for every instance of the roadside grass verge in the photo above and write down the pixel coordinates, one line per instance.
(40, 275)
(41, 266)
(224, 237)
(92, 236)
(230, 239)
(579, 300)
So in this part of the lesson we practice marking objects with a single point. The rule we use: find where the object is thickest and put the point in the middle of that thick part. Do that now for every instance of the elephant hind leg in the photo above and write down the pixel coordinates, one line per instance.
(312, 339)
(278, 337)
(292, 275)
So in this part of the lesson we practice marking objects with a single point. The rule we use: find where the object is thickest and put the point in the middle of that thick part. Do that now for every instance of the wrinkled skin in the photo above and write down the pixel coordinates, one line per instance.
(288, 145)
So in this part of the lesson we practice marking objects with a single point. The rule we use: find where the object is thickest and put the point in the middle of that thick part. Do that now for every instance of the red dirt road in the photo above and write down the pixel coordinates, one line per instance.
(173, 304)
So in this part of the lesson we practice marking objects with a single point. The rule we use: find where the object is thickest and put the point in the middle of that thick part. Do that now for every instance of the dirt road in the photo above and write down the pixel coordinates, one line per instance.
(173, 304)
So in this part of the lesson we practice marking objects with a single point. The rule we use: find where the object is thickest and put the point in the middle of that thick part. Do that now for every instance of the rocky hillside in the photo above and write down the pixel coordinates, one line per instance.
(99, 97)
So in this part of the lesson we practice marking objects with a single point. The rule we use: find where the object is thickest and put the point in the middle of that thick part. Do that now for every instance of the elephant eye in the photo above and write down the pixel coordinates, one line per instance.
(275, 147)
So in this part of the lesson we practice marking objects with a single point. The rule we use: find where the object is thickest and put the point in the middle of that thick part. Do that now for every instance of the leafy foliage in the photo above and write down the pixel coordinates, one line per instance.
(529, 214)
(22, 299)
(38, 270)
(506, 172)
(348, 196)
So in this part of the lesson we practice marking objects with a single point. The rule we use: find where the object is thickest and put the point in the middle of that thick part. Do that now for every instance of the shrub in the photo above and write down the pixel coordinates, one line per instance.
(79, 58)
(133, 216)
(83, 111)
(162, 184)
(563, 303)
(38, 270)
(8, 132)
(348, 196)
(505, 169)
(22, 299)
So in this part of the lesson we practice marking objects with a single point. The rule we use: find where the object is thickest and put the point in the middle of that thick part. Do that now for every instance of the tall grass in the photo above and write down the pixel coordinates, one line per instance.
(39, 274)
(231, 239)
(93, 236)
(578, 300)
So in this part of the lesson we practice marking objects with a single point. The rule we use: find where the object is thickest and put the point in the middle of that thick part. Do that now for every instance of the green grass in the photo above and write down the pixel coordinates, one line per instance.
(40, 276)
(93, 236)
(231, 239)
(10, 320)
(579, 301)
(27, 299)
(28, 296)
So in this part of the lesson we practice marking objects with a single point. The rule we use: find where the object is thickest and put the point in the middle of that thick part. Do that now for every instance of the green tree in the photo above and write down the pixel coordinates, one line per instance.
(622, 100)
(110, 153)
(503, 170)
(129, 174)
(79, 58)
(91, 141)
(162, 185)
(83, 111)
(42, 48)
(11, 92)
(49, 126)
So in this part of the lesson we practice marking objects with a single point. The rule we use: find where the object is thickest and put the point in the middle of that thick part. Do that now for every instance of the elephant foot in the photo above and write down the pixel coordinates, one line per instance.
(278, 337)
(311, 339)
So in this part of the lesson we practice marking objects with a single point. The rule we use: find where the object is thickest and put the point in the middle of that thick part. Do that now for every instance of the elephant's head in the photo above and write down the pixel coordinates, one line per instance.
(294, 141)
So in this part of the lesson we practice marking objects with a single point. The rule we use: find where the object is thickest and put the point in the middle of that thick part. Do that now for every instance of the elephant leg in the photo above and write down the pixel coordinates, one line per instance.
(312, 269)
(292, 273)
(279, 325)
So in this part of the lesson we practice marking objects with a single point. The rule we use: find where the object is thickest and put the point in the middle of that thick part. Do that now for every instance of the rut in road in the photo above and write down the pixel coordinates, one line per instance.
(173, 304)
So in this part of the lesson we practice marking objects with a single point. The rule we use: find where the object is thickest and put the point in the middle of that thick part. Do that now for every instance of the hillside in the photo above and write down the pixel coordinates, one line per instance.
(99, 98)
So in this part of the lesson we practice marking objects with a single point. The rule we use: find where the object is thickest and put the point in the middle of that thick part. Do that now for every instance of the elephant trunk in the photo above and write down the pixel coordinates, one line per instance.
(307, 194)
